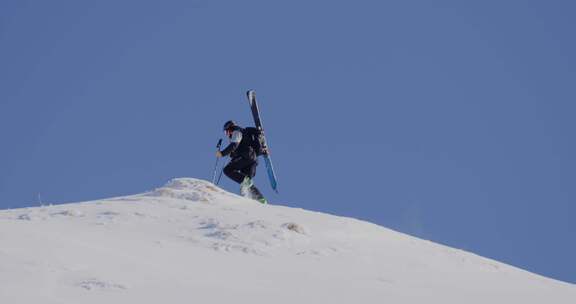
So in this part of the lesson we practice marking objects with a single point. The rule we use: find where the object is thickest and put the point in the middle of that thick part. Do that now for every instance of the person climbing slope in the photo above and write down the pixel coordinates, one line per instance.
(243, 150)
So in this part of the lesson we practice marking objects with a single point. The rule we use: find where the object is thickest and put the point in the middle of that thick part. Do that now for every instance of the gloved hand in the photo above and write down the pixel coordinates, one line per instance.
(218, 154)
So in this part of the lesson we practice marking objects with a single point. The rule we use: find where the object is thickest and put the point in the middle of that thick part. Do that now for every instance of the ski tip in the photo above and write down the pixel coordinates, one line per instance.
(251, 93)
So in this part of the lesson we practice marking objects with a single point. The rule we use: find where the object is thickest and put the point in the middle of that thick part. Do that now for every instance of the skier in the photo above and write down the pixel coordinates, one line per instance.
(244, 160)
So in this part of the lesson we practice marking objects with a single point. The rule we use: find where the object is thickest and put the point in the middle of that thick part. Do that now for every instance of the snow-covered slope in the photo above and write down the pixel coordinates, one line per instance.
(191, 242)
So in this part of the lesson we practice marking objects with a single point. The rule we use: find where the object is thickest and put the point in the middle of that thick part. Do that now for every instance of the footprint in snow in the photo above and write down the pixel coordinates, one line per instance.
(295, 228)
(108, 214)
(68, 212)
(93, 284)
(25, 217)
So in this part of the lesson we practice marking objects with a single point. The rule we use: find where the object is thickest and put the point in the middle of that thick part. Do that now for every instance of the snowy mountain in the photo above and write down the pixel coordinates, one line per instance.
(191, 242)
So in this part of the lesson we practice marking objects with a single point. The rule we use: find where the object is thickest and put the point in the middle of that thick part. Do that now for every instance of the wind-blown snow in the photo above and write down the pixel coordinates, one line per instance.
(192, 242)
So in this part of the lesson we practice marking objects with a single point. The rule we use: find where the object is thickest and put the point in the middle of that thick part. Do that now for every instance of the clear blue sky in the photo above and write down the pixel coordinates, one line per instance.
(449, 120)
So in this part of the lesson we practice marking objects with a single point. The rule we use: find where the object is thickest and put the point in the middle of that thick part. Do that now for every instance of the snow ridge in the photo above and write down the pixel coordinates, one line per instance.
(190, 240)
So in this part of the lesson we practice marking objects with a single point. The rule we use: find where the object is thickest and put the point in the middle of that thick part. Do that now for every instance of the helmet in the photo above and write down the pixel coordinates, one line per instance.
(229, 124)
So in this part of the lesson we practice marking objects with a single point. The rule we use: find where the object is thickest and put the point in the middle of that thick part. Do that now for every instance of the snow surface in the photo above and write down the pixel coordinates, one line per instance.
(191, 242)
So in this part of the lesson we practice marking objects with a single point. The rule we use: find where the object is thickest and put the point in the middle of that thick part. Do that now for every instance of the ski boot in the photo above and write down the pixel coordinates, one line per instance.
(245, 186)
(249, 190)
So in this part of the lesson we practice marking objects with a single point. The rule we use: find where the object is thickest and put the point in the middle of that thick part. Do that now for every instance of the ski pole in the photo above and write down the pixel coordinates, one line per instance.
(217, 159)
(219, 177)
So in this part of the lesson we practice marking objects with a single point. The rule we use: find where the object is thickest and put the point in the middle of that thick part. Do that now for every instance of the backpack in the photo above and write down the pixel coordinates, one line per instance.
(254, 139)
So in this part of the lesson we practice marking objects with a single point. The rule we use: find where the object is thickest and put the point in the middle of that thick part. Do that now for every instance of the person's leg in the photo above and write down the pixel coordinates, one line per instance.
(239, 168)
(257, 195)
(250, 170)
(253, 190)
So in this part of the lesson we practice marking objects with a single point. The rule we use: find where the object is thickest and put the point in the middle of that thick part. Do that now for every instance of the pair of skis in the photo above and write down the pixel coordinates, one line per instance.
(251, 94)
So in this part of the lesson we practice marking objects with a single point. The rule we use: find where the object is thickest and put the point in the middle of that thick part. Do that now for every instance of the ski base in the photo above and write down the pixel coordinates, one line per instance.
(251, 94)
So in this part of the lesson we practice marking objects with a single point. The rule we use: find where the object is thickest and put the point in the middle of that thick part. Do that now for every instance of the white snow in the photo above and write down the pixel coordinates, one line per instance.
(191, 242)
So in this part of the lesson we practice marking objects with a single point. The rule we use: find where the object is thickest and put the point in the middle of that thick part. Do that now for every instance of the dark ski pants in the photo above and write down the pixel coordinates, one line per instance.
(238, 168)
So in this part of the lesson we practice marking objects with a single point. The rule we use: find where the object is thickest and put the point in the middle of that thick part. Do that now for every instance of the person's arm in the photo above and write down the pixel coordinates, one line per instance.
(234, 143)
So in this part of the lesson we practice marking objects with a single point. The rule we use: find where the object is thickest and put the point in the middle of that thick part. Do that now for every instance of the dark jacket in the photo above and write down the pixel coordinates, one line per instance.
(242, 149)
